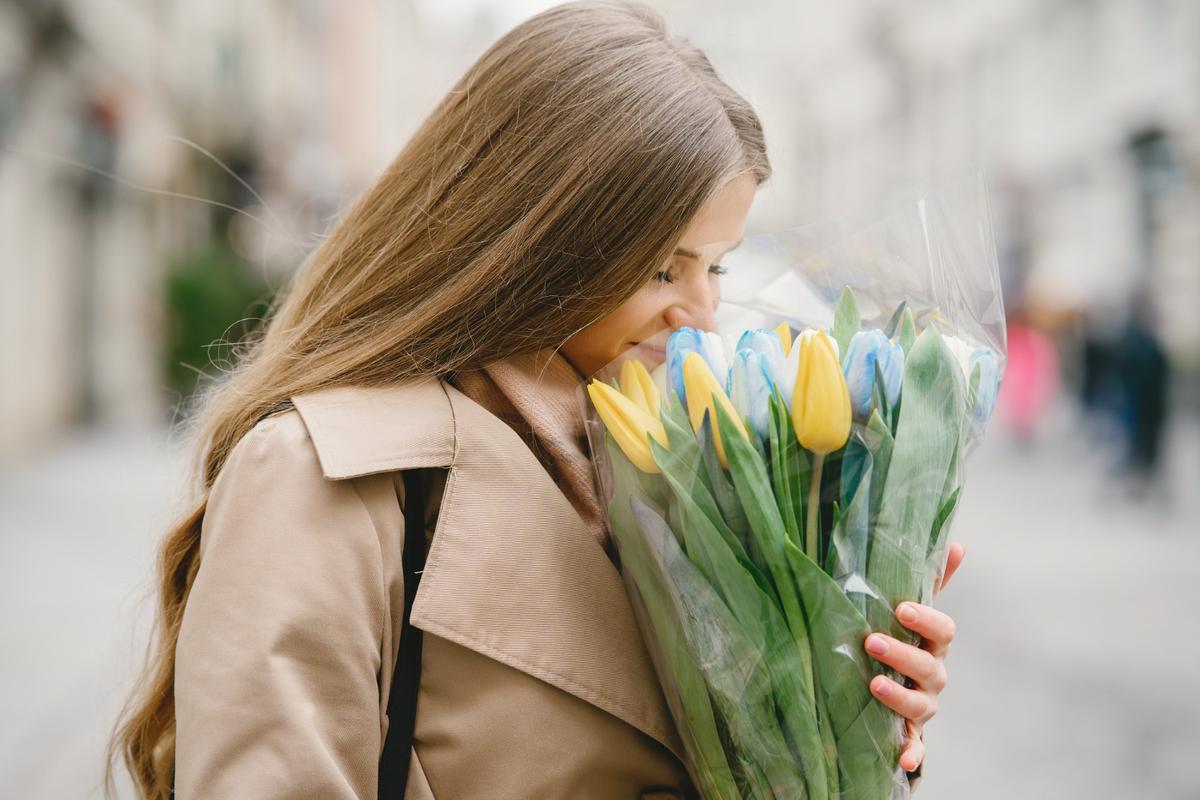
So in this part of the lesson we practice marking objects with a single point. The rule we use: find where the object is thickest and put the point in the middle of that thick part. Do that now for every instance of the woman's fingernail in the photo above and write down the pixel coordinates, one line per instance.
(907, 613)
(876, 645)
(883, 688)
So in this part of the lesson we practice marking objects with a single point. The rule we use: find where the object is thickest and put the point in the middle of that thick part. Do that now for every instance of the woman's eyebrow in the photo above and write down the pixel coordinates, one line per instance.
(684, 251)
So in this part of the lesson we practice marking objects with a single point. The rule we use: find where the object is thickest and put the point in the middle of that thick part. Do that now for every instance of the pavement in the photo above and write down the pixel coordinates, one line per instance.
(1078, 630)
(1078, 633)
(78, 528)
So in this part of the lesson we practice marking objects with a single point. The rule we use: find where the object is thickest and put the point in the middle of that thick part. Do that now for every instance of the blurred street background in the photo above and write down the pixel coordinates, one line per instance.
(132, 260)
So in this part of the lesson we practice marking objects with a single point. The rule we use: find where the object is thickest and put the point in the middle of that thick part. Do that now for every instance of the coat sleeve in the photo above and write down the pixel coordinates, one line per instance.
(277, 663)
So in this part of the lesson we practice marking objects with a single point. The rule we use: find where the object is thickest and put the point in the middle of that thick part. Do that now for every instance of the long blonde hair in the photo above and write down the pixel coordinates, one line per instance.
(549, 184)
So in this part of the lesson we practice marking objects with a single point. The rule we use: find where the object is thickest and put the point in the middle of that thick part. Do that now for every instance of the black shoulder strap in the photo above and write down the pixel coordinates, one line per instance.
(402, 702)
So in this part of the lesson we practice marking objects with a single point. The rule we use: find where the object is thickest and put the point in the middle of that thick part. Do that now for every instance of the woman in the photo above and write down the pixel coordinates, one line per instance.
(525, 236)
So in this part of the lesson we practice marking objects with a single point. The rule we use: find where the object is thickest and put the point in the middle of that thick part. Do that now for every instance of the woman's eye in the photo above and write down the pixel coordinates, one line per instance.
(664, 276)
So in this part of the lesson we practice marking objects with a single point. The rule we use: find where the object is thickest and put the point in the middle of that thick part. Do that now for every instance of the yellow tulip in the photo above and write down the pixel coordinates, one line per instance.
(629, 423)
(701, 387)
(821, 400)
(820, 415)
(638, 386)
(785, 337)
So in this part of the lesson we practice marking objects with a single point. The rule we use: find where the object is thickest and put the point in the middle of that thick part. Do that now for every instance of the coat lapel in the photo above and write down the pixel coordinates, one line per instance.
(513, 572)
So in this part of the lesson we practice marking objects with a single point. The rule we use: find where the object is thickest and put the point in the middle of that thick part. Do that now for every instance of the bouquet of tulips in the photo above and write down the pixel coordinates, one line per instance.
(768, 515)
(775, 493)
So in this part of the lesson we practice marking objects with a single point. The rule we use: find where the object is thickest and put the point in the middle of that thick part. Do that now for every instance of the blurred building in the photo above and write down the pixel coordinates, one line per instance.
(100, 188)
(1086, 114)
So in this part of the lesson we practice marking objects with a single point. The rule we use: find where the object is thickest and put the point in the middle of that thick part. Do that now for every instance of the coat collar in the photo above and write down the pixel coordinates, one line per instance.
(513, 572)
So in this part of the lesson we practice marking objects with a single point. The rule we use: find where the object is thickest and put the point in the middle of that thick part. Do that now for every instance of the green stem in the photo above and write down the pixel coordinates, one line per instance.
(814, 507)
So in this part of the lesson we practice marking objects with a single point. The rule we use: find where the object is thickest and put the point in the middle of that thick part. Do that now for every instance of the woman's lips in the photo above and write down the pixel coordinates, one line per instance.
(651, 348)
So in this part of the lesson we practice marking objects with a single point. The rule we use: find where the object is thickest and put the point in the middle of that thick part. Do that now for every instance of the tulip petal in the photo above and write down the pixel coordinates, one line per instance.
(871, 354)
(751, 381)
(684, 341)
(681, 342)
(821, 402)
(772, 353)
(713, 350)
(891, 364)
(859, 370)
(790, 372)
(630, 424)
(630, 386)
(702, 388)
(784, 332)
(637, 385)
(985, 384)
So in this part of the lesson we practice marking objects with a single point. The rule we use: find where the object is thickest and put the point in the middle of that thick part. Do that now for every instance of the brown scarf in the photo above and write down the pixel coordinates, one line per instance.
(537, 395)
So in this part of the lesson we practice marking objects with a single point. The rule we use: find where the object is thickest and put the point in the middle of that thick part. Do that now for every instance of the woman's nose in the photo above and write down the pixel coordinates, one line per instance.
(696, 310)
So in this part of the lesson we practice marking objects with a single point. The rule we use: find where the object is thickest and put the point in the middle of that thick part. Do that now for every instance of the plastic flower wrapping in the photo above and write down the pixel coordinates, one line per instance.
(777, 487)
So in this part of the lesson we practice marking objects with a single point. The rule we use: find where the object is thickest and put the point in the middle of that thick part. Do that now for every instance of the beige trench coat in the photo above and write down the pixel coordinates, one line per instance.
(535, 682)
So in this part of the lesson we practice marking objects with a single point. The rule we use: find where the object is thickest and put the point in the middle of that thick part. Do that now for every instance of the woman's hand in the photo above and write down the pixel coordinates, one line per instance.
(922, 664)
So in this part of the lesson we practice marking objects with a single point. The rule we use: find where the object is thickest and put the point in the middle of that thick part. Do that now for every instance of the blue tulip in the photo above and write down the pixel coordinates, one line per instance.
(690, 340)
(761, 341)
(890, 360)
(868, 351)
(752, 379)
(767, 343)
(984, 362)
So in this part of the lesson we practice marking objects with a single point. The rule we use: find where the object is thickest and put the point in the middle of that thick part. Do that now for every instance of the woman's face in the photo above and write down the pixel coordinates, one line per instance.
(685, 293)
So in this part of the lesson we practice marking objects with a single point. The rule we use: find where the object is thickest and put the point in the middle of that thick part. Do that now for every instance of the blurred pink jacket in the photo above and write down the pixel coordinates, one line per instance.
(1030, 378)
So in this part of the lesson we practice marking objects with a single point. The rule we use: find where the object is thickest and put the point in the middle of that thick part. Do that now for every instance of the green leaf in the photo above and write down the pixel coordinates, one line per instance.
(926, 442)
(973, 388)
(685, 449)
(877, 437)
(838, 632)
(682, 683)
(855, 466)
(942, 522)
(937, 540)
(908, 331)
(753, 488)
(680, 438)
(869, 754)
(779, 474)
(843, 671)
(686, 483)
(716, 555)
(848, 542)
(737, 631)
(706, 733)
(846, 320)
(893, 325)
(879, 394)
(799, 475)
(793, 470)
(722, 489)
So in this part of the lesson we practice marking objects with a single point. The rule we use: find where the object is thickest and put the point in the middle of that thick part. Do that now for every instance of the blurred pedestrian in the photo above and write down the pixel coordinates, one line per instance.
(1141, 363)
(1031, 379)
